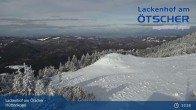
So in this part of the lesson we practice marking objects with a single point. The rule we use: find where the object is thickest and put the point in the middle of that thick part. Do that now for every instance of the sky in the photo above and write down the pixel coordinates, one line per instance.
(88, 17)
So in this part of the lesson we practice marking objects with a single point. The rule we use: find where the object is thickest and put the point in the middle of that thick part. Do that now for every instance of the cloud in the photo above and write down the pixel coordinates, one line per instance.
(31, 25)
(78, 14)
(22, 20)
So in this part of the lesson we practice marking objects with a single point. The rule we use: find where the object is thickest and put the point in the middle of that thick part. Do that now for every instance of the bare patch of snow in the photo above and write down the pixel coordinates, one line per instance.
(15, 67)
(56, 38)
(43, 39)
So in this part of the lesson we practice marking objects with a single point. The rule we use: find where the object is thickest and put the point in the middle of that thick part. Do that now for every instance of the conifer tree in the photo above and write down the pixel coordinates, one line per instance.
(28, 81)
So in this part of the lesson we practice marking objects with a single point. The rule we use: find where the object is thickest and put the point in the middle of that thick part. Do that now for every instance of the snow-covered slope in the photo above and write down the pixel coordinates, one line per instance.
(180, 46)
(126, 77)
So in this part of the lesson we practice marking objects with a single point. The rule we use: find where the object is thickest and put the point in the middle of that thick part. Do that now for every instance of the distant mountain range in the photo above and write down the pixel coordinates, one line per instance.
(144, 30)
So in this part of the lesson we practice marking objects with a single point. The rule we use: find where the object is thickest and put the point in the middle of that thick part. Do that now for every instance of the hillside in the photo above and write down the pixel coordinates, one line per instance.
(126, 77)
(180, 46)
(46, 51)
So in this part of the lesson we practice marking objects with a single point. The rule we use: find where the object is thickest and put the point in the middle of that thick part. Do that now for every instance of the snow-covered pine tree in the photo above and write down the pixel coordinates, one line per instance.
(41, 86)
(50, 71)
(61, 67)
(40, 74)
(87, 60)
(28, 81)
(18, 82)
(67, 64)
(93, 58)
(81, 62)
(74, 64)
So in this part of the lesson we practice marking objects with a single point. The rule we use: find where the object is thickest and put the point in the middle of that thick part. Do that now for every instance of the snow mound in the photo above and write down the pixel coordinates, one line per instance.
(119, 77)
(110, 60)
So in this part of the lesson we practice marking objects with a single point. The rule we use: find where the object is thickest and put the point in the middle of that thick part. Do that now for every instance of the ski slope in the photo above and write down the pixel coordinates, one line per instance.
(117, 77)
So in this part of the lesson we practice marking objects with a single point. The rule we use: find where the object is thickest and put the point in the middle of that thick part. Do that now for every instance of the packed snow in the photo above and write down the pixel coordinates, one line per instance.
(117, 77)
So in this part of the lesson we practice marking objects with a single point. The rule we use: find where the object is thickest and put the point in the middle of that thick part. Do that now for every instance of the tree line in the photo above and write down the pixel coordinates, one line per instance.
(23, 81)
